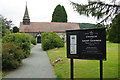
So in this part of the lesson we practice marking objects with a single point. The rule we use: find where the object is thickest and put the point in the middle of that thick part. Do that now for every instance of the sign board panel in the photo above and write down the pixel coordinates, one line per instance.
(73, 44)
(86, 44)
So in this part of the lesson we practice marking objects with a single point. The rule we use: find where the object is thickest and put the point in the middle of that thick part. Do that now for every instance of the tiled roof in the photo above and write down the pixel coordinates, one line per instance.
(47, 27)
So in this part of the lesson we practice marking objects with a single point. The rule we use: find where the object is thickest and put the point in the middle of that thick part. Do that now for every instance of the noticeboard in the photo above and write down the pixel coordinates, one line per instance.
(73, 44)
(86, 44)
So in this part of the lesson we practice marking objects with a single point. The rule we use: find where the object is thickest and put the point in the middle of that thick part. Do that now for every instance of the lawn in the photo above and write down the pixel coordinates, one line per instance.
(85, 68)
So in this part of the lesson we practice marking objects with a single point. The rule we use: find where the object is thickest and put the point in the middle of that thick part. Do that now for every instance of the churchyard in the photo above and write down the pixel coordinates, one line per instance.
(16, 43)
(82, 68)
(85, 68)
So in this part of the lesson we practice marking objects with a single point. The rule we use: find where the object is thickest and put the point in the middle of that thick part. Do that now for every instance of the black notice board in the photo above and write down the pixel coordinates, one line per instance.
(86, 44)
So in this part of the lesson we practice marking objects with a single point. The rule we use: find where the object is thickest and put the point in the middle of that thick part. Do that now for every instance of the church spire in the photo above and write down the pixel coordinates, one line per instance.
(26, 18)
(26, 15)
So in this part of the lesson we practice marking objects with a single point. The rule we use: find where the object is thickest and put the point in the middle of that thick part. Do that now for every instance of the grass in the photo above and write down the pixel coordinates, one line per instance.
(85, 68)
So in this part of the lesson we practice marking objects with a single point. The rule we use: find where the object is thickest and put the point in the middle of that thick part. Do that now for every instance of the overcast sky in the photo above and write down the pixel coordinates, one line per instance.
(40, 10)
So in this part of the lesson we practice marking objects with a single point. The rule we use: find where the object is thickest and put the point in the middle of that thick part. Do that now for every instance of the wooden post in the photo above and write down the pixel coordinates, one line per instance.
(101, 70)
(71, 68)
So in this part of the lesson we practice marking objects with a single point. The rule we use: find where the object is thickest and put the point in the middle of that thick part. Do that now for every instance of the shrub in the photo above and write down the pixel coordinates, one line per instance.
(33, 41)
(20, 39)
(51, 40)
(11, 55)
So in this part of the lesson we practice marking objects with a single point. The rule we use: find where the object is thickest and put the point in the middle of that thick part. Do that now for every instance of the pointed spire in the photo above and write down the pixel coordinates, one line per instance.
(26, 15)
(26, 18)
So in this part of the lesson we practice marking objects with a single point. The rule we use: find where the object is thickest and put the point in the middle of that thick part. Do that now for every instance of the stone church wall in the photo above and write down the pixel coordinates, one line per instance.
(33, 34)
(61, 34)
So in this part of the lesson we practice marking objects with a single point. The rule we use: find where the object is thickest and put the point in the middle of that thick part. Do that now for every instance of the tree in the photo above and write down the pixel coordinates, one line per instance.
(15, 29)
(6, 22)
(98, 9)
(114, 32)
(106, 12)
(59, 14)
(5, 31)
(4, 26)
(0, 28)
(64, 14)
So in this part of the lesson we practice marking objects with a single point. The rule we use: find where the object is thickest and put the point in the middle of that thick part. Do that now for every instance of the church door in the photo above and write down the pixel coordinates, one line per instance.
(39, 39)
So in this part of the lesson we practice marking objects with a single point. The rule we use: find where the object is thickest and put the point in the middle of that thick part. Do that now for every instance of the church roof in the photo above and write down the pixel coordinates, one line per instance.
(47, 27)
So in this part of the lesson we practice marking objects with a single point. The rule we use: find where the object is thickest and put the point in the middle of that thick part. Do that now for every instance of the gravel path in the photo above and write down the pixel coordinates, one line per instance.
(35, 66)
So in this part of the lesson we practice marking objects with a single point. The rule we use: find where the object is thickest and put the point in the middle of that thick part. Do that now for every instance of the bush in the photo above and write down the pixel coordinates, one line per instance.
(33, 41)
(51, 40)
(11, 55)
(20, 39)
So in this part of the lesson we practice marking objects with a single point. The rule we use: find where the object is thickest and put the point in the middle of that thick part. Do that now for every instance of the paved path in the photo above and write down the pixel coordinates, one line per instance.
(35, 66)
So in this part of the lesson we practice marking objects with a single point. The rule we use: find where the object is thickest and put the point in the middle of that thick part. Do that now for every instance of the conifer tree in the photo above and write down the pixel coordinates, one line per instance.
(114, 32)
(98, 9)
(59, 14)
(15, 29)
(105, 12)
(64, 14)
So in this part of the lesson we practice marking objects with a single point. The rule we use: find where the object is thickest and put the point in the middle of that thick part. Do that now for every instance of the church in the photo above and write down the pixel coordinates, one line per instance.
(34, 29)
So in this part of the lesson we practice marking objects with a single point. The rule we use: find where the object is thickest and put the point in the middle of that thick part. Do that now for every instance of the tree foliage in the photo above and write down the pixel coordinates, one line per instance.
(15, 29)
(6, 22)
(0, 28)
(59, 14)
(87, 25)
(114, 32)
(5, 31)
(4, 26)
(98, 9)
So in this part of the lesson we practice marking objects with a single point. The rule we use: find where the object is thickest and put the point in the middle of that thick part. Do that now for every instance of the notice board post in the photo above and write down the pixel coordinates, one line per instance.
(101, 70)
(87, 44)
(72, 69)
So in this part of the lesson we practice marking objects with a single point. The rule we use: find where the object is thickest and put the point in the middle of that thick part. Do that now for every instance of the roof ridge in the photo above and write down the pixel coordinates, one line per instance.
(54, 22)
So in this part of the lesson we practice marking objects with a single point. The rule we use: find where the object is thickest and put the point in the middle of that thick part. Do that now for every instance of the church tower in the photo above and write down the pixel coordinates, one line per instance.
(26, 18)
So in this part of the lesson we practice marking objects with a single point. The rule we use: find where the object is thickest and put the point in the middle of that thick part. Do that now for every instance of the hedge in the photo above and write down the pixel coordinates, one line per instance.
(51, 40)
(20, 39)
(11, 55)
(33, 41)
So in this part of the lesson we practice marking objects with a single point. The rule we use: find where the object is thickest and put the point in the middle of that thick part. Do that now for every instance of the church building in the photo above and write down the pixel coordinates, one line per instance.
(34, 29)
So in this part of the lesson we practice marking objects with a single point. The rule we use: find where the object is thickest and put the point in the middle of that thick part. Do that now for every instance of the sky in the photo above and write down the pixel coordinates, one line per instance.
(40, 10)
